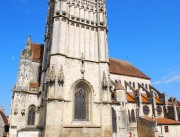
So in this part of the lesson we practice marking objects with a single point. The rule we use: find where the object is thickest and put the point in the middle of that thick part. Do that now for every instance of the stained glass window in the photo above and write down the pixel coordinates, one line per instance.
(146, 110)
(31, 115)
(81, 103)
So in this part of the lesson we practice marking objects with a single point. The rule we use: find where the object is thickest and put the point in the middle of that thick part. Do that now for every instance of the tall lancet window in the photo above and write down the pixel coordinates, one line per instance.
(31, 115)
(81, 103)
(133, 118)
(114, 121)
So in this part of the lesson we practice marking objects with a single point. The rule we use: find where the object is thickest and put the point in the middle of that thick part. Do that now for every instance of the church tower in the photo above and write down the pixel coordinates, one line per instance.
(76, 70)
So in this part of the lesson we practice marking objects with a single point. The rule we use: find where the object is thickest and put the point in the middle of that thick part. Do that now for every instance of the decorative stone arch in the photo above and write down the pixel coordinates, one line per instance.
(82, 92)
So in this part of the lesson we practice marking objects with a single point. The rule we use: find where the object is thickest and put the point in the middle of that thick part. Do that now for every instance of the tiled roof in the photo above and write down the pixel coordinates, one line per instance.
(158, 101)
(125, 68)
(164, 121)
(169, 103)
(4, 118)
(37, 52)
(144, 99)
(130, 98)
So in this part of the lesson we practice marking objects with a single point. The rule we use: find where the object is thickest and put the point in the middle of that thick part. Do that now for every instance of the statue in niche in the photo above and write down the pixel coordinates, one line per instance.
(104, 82)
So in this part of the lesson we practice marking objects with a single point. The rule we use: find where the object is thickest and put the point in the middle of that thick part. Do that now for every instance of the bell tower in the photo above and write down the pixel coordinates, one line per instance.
(76, 70)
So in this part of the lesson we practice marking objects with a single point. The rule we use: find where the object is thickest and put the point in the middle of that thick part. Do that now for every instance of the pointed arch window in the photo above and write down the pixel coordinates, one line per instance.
(133, 118)
(129, 116)
(134, 86)
(31, 115)
(114, 121)
(81, 99)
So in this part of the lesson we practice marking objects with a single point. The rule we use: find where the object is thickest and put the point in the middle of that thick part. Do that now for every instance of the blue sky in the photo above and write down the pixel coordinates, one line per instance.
(144, 32)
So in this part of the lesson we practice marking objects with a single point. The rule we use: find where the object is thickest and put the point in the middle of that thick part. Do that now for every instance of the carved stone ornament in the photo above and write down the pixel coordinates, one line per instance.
(15, 111)
(23, 112)
(110, 82)
(50, 77)
(26, 54)
(61, 76)
(13, 127)
(47, 75)
(104, 82)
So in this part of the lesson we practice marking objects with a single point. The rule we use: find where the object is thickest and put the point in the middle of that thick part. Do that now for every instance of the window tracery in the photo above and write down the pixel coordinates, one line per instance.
(81, 98)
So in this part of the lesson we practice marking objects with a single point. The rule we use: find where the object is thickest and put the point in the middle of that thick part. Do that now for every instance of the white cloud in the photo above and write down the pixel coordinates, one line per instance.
(173, 76)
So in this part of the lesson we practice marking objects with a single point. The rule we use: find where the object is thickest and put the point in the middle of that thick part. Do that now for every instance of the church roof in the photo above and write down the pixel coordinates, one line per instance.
(130, 98)
(122, 67)
(4, 118)
(164, 121)
(37, 52)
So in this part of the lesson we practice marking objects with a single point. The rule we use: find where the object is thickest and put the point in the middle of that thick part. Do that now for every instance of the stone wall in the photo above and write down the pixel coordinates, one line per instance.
(145, 128)
(174, 131)
(1, 127)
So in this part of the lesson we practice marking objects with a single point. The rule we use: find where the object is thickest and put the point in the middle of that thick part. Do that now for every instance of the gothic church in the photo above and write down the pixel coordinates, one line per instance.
(69, 87)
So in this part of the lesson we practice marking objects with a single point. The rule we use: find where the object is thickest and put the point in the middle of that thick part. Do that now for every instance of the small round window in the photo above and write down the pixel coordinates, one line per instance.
(159, 110)
(146, 110)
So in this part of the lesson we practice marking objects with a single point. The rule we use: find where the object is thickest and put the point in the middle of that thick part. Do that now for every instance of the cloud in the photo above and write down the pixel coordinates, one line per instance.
(173, 76)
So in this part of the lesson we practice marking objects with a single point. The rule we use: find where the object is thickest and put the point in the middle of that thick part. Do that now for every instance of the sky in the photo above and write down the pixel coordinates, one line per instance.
(143, 32)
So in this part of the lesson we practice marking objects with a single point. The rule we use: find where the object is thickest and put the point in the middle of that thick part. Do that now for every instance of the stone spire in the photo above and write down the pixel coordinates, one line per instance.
(28, 43)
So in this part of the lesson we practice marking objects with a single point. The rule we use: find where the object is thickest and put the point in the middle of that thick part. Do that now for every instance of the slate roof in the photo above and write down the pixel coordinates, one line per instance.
(125, 68)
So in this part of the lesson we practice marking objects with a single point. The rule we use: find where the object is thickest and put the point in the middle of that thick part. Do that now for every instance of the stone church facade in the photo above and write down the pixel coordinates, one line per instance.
(69, 87)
